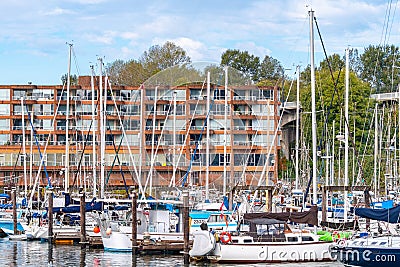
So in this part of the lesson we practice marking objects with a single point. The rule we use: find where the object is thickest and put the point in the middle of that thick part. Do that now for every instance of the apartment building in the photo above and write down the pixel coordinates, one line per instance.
(160, 134)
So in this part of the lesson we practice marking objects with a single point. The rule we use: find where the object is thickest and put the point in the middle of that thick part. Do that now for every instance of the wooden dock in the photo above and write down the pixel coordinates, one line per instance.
(161, 247)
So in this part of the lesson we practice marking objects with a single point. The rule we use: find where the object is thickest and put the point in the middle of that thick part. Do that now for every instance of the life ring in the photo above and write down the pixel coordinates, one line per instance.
(225, 237)
(335, 236)
(341, 242)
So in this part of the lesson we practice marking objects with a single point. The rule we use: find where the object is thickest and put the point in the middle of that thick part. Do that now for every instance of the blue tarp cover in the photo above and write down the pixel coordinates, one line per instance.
(76, 208)
(5, 196)
(391, 215)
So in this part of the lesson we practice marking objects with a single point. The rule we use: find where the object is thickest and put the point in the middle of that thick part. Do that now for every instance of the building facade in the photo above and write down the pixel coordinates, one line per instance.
(160, 134)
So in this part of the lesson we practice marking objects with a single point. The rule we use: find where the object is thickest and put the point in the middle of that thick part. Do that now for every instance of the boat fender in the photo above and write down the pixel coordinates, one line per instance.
(108, 231)
(96, 229)
(216, 236)
(225, 237)
(335, 236)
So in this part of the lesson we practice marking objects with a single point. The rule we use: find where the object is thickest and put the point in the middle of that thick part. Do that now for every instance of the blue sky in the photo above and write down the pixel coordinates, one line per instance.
(33, 34)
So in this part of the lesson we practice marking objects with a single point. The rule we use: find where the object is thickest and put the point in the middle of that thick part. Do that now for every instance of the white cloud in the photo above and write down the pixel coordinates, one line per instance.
(106, 38)
(124, 29)
(194, 49)
(129, 35)
(89, 2)
(58, 11)
(253, 48)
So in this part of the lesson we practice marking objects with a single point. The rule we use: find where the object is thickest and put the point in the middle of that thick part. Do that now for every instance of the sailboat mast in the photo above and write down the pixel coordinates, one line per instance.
(313, 111)
(174, 141)
(23, 146)
(208, 135)
(93, 136)
(333, 154)
(66, 173)
(346, 135)
(297, 126)
(102, 129)
(153, 138)
(141, 130)
(225, 130)
(376, 153)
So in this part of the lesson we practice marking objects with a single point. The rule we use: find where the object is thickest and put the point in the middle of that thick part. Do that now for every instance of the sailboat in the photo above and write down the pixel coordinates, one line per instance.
(376, 251)
(270, 239)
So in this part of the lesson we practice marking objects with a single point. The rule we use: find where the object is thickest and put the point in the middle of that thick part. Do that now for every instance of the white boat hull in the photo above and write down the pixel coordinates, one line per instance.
(117, 241)
(271, 252)
(121, 239)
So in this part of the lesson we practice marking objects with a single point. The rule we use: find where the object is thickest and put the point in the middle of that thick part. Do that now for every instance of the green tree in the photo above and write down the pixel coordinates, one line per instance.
(271, 69)
(127, 73)
(72, 78)
(159, 58)
(332, 103)
(380, 67)
(248, 64)
(336, 63)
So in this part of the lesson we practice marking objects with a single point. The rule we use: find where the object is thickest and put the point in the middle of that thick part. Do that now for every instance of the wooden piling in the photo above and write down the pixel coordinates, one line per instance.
(323, 204)
(83, 219)
(50, 254)
(269, 200)
(50, 216)
(14, 210)
(82, 257)
(186, 227)
(367, 205)
(134, 223)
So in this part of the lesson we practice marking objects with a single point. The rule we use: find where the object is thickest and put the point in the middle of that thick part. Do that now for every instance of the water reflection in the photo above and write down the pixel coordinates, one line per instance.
(82, 262)
(15, 253)
(50, 254)
(34, 253)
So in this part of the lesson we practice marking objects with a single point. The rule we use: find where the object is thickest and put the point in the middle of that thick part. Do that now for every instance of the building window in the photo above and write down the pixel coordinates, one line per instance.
(4, 139)
(4, 109)
(5, 94)
(4, 124)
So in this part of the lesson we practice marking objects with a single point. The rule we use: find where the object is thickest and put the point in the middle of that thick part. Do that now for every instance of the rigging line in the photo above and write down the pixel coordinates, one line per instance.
(190, 122)
(125, 136)
(339, 97)
(251, 148)
(76, 61)
(116, 158)
(393, 55)
(154, 151)
(270, 147)
(386, 22)
(16, 161)
(84, 147)
(45, 148)
(184, 178)
(38, 146)
(86, 141)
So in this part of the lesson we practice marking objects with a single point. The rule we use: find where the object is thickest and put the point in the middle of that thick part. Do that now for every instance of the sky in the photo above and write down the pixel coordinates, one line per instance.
(34, 33)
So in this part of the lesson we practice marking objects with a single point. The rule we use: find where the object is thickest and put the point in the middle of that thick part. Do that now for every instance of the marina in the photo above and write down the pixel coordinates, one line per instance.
(198, 164)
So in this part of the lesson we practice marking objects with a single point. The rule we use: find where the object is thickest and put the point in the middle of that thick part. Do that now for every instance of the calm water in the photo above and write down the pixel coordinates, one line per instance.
(33, 253)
